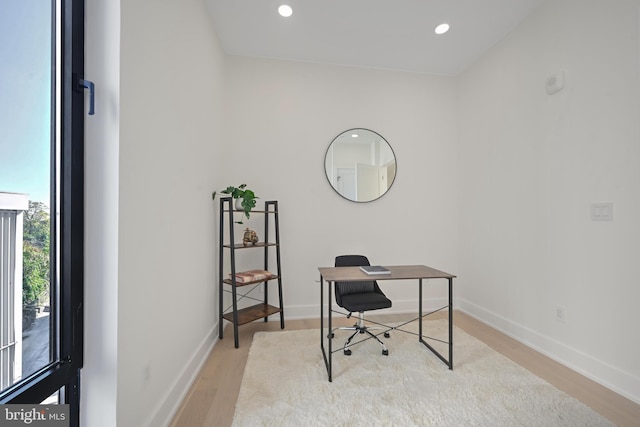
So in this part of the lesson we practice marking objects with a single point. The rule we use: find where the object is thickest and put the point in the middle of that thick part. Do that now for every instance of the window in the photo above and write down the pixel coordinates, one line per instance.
(41, 201)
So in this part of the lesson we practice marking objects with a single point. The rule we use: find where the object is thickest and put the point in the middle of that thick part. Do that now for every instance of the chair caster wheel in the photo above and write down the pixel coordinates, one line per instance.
(331, 336)
(386, 335)
(347, 352)
(385, 352)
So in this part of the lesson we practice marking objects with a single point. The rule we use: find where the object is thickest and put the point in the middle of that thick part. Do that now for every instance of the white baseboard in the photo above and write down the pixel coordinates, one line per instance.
(615, 379)
(170, 404)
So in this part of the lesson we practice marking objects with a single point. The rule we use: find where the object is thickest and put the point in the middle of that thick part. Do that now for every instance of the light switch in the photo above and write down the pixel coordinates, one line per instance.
(602, 211)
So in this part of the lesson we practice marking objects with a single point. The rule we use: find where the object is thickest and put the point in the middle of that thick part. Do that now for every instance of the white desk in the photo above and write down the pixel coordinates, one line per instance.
(398, 272)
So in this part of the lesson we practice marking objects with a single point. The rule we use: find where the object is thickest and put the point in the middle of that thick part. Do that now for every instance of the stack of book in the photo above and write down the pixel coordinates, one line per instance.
(375, 269)
(252, 276)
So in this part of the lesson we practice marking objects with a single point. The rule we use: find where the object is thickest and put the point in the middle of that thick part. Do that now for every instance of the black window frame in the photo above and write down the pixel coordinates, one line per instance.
(64, 373)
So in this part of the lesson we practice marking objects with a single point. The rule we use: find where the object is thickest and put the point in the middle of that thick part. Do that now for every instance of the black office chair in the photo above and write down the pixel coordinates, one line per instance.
(359, 297)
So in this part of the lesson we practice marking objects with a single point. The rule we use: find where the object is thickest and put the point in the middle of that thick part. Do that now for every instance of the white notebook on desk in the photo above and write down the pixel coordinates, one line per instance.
(375, 269)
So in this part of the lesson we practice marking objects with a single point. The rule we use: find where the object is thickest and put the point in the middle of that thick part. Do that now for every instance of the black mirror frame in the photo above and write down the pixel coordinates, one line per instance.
(329, 179)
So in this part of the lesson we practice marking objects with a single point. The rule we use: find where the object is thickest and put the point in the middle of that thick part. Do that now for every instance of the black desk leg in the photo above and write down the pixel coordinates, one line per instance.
(326, 355)
(449, 362)
(330, 330)
(450, 323)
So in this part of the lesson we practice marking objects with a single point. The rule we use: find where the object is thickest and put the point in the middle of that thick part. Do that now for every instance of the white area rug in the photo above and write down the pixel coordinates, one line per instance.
(285, 384)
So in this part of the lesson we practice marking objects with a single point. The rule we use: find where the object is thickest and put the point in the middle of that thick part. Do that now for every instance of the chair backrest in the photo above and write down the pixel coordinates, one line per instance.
(351, 261)
(345, 288)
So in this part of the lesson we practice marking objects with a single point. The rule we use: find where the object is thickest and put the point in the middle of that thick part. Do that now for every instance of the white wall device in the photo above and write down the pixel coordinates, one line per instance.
(555, 82)
(602, 211)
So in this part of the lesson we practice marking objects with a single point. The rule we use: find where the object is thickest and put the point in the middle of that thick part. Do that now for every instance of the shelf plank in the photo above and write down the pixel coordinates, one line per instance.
(238, 284)
(257, 245)
(255, 312)
(252, 211)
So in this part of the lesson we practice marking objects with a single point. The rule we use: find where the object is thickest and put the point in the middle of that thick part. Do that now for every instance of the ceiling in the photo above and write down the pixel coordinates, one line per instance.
(385, 34)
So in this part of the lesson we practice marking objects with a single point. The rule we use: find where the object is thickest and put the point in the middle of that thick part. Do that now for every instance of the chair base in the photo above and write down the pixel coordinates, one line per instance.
(361, 328)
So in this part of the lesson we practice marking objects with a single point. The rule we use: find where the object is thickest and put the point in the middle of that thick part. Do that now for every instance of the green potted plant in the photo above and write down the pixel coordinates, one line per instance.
(245, 198)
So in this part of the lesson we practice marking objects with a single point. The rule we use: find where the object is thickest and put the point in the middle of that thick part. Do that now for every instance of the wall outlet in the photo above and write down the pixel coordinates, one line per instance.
(561, 314)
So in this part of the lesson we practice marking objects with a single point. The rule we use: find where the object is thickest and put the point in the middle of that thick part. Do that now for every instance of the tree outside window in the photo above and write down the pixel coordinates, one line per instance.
(36, 262)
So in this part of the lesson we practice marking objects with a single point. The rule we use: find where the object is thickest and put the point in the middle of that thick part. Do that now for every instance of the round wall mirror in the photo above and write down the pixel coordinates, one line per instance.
(360, 165)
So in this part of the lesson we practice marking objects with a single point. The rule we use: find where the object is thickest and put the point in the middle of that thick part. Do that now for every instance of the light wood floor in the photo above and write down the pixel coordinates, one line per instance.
(212, 398)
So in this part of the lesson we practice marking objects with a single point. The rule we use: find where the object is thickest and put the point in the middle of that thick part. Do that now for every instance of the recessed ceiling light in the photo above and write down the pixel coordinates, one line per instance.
(285, 10)
(354, 135)
(442, 28)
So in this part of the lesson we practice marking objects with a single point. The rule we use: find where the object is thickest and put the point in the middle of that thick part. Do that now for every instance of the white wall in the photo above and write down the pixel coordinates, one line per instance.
(281, 118)
(152, 161)
(102, 66)
(530, 167)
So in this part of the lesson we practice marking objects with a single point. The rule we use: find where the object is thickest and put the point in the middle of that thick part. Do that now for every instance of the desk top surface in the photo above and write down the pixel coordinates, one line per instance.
(353, 274)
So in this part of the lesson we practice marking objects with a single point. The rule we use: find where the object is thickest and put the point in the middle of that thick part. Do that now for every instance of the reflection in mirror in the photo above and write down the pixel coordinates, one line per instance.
(360, 165)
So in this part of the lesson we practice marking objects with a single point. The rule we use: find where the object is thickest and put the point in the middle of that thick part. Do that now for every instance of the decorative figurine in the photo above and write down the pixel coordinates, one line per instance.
(250, 237)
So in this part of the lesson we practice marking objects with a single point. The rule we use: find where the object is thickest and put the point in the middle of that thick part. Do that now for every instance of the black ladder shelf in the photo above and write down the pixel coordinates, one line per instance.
(262, 310)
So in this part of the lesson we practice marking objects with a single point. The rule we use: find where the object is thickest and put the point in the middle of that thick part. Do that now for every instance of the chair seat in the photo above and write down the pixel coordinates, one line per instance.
(365, 301)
